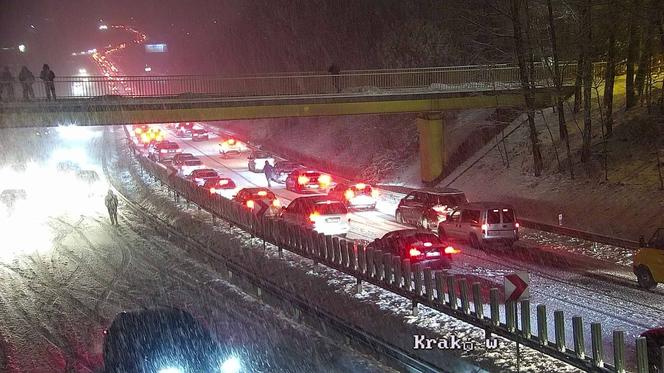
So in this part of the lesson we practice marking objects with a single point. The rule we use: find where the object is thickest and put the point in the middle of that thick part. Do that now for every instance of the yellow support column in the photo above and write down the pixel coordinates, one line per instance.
(432, 151)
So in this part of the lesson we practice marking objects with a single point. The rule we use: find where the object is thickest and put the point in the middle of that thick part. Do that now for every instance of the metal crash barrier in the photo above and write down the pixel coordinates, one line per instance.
(448, 294)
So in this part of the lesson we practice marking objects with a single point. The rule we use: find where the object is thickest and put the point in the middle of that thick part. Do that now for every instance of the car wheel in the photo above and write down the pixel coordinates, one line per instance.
(475, 243)
(645, 278)
(398, 217)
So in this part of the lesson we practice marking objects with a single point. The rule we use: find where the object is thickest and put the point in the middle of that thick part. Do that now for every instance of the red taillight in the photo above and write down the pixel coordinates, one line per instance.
(451, 250)
(314, 216)
(231, 141)
(516, 225)
(250, 204)
(349, 194)
(374, 193)
(276, 203)
(414, 252)
(302, 180)
(213, 191)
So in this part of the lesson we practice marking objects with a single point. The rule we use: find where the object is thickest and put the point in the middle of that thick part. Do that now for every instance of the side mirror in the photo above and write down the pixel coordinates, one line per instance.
(642, 241)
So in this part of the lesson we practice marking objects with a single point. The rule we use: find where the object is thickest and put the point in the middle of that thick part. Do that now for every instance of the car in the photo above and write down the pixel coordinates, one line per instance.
(257, 159)
(140, 129)
(320, 213)
(282, 169)
(189, 165)
(355, 196)
(152, 136)
(250, 197)
(304, 180)
(654, 342)
(232, 146)
(648, 264)
(183, 129)
(163, 151)
(482, 224)
(420, 246)
(218, 185)
(199, 134)
(67, 166)
(180, 158)
(426, 208)
(162, 340)
(199, 176)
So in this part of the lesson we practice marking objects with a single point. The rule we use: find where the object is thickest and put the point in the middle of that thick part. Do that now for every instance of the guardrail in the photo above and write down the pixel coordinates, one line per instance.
(444, 293)
(464, 78)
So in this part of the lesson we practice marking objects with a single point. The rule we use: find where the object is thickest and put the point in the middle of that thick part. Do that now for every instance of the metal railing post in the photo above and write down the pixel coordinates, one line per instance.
(579, 343)
(619, 351)
(598, 349)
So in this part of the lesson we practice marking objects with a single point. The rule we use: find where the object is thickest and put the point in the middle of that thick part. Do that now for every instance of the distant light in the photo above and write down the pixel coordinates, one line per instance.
(231, 365)
(90, 51)
(148, 69)
(21, 48)
(103, 27)
(83, 72)
(74, 54)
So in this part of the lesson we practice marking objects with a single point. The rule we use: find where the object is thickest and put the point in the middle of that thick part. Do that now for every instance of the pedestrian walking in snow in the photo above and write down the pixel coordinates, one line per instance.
(48, 76)
(267, 169)
(112, 206)
(27, 79)
(7, 83)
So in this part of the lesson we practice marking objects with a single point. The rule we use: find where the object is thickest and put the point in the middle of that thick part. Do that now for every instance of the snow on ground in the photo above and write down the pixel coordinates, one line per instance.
(627, 205)
(67, 273)
(601, 290)
(379, 308)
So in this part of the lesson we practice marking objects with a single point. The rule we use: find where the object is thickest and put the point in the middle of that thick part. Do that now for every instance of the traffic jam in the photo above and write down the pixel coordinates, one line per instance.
(428, 227)
(425, 226)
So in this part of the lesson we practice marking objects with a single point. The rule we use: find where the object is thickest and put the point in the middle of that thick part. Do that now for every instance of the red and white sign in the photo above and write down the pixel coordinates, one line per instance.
(516, 286)
(261, 207)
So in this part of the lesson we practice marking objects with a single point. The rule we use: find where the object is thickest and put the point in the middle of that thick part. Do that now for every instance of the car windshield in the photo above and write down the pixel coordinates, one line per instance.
(334, 208)
(193, 162)
(262, 155)
(448, 199)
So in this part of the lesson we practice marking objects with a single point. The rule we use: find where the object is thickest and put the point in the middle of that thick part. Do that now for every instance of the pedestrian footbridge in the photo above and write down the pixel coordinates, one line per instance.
(113, 100)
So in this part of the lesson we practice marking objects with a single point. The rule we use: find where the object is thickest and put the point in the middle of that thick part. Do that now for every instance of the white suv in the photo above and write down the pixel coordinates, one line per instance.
(319, 213)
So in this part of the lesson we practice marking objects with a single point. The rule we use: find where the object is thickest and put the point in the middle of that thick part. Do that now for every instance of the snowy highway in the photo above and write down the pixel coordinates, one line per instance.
(65, 273)
(579, 289)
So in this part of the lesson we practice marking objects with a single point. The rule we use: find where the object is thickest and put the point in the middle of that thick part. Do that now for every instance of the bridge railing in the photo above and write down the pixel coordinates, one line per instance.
(452, 79)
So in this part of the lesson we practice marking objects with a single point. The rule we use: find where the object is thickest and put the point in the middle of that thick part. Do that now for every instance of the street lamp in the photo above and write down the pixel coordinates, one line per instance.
(21, 48)
(148, 69)
(103, 27)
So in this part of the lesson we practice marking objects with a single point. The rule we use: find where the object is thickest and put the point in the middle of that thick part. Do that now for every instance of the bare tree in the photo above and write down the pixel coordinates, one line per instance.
(526, 85)
(610, 73)
(586, 48)
(558, 82)
(632, 51)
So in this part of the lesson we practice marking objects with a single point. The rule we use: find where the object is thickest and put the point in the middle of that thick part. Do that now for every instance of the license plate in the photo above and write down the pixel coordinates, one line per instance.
(332, 220)
(432, 254)
(312, 186)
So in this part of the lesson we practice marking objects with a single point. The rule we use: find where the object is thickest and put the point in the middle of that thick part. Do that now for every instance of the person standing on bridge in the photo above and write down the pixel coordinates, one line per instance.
(48, 76)
(7, 83)
(267, 169)
(334, 71)
(27, 79)
(112, 206)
